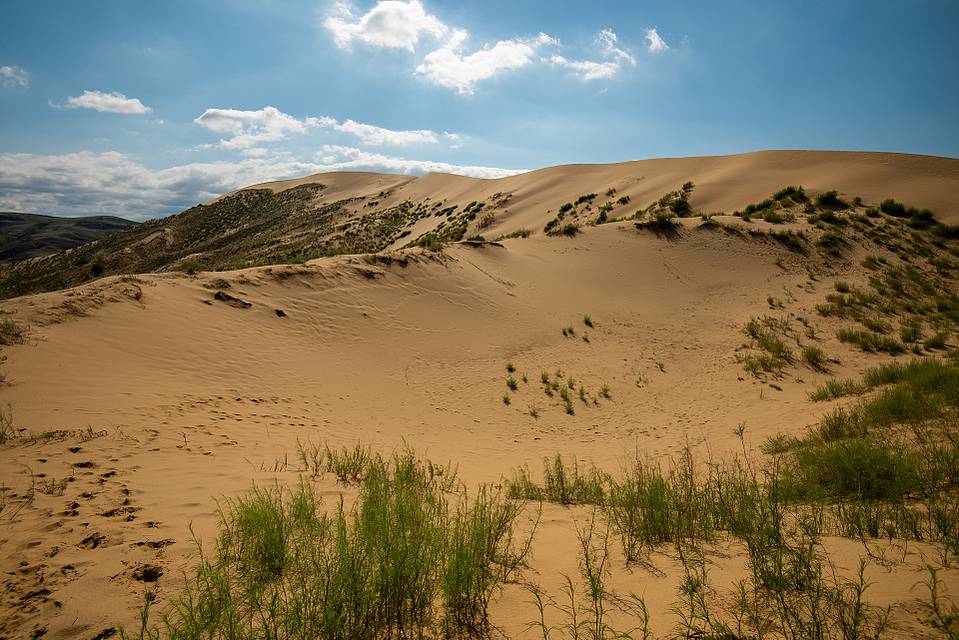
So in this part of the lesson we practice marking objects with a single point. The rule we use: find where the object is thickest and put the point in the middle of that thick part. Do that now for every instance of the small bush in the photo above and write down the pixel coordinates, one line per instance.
(563, 483)
(402, 562)
(832, 242)
(830, 199)
(892, 208)
(570, 229)
(814, 357)
(871, 341)
(11, 332)
(833, 389)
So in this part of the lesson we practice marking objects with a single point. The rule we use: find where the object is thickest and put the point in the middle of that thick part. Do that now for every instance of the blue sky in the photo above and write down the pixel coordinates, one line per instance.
(142, 109)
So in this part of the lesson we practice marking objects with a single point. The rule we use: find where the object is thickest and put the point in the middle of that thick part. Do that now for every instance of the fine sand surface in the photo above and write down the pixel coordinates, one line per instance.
(723, 183)
(191, 398)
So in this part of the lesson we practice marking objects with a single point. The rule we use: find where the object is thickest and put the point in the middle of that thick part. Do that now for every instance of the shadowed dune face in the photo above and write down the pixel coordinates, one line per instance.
(138, 401)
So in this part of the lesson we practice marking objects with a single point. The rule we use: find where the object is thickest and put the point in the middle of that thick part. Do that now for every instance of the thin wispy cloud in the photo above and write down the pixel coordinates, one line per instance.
(378, 136)
(108, 103)
(13, 77)
(244, 130)
(340, 158)
(607, 47)
(655, 42)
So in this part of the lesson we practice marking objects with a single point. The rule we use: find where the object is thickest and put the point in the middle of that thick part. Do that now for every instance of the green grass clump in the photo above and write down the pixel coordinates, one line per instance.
(864, 468)
(511, 383)
(830, 199)
(833, 243)
(404, 561)
(871, 341)
(814, 357)
(766, 334)
(563, 483)
(833, 389)
(11, 332)
(934, 342)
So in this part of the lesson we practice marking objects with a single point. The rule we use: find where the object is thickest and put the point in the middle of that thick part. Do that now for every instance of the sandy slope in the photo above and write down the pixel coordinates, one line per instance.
(196, 399)
(723, 183)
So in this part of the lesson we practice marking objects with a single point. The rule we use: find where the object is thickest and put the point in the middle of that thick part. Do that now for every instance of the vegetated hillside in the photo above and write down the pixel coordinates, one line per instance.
(28, 235)
(337, 213)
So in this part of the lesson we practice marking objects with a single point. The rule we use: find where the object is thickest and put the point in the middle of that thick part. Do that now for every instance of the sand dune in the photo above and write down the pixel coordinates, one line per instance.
(189, 397)
(724, 183)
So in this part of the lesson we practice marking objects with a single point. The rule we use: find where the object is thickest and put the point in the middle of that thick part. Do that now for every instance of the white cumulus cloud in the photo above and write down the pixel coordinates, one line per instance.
(246, 129)
(391, 24)
(13, 77)
(655, 42)
(108, 103)
(400, 24)
(449, 67)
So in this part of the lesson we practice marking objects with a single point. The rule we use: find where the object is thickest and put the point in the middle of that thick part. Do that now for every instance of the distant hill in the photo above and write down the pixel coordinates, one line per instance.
(355, 212)
(28, 235)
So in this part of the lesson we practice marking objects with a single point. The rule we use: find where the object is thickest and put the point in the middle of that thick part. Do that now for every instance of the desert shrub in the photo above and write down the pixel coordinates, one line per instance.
(563, 483)
(792, 240)
(431, 242)
(833, 389)
(814, 357)
(487, 220)
(858, 467)
(892, 208)
(570, 229)
(11, 332)
(661, 223)
(830, 199)
(403, 562)
(832, 242)
(936, 341)
(870, 341)
(794, 193)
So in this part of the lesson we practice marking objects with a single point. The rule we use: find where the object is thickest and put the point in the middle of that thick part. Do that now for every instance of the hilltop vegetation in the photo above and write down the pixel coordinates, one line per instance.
(28, 235)
(248, 228)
